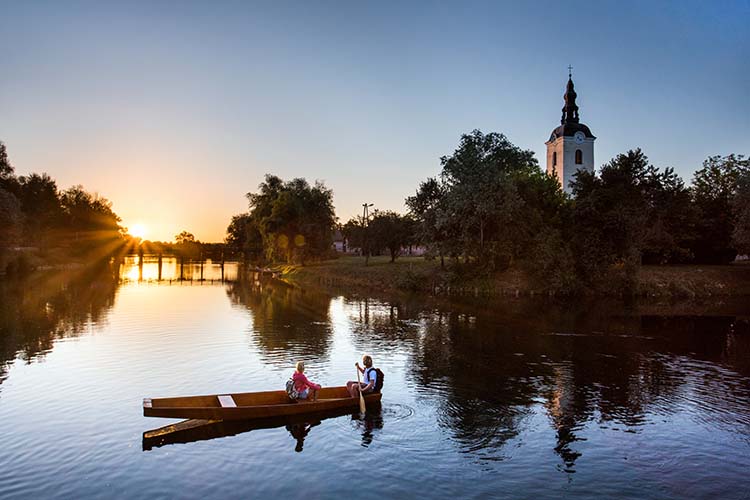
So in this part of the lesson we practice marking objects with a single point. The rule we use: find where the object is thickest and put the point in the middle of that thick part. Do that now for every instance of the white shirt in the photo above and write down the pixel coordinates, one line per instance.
(371, 375)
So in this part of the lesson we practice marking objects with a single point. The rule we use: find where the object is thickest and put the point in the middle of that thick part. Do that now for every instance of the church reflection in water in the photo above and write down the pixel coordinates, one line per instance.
(488, 369)
(485, 370)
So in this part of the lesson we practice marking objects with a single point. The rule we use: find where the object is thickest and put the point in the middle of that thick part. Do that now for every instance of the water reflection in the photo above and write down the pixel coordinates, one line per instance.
(152, 267)
(47, 306)
(488, 370)
(298, 427)
(521, 388)
(621, 370)
(35, 312)
(369, 424)
(289, 324)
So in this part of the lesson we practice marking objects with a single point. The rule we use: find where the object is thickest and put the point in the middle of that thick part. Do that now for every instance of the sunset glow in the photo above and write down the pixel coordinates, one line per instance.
(138, 230)
(204, 126)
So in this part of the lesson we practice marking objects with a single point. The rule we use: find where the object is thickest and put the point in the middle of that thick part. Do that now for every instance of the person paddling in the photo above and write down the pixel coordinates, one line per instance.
(305, 388)
(369, 378)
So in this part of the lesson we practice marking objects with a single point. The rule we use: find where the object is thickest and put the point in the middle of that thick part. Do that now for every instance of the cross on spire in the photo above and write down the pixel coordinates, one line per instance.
(570, 110)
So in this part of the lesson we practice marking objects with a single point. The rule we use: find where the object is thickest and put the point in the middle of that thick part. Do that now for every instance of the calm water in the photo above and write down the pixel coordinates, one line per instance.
(514, 400)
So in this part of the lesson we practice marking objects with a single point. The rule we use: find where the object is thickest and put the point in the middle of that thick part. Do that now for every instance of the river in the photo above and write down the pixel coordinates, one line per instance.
(511, 399)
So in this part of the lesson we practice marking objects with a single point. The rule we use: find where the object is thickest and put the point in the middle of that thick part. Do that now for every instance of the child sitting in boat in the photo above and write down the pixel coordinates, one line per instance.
(369, 378)
(305, 388)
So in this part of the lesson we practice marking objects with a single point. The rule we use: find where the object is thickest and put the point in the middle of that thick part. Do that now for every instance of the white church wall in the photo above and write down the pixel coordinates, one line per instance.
(566, 147)
(569, 165)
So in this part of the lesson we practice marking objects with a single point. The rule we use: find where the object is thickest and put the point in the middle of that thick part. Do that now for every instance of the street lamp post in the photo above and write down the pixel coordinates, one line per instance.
(365, 223)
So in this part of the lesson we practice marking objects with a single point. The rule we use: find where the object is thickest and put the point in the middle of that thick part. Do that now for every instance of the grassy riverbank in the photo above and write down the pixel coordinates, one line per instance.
(420, 275)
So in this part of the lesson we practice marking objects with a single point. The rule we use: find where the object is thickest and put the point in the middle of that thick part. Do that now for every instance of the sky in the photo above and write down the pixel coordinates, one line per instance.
(175, 110)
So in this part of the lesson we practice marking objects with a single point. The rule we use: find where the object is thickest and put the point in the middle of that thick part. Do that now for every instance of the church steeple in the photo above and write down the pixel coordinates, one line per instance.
(570, 110)
(570, 147)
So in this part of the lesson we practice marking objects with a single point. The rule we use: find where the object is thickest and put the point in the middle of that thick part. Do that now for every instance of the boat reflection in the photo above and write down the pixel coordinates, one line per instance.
(299, 427)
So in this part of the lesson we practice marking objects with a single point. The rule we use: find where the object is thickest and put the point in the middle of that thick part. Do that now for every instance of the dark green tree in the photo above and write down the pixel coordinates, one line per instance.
(430, 213)
(89, 220)
(184, 237)
(87, 212)
(490, 204)
(741, 208)
(672, 219)
(10, 224)
(6, 169)
(40, 204)
(391, 231)
(295, 220)
(354, 232)
(244, 238)
(714, 186)
(629, 210)
(186, 246)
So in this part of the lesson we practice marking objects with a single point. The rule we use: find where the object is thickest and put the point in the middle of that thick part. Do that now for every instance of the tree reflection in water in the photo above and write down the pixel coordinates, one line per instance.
(44, 307)
(487, 369)
(289, 324)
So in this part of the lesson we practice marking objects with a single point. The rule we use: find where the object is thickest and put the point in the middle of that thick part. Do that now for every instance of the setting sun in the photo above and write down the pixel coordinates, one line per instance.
(138, 230)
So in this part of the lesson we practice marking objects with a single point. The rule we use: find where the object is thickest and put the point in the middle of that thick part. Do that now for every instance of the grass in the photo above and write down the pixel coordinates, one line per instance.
(380, 274)
(695, 280)
(417, 274)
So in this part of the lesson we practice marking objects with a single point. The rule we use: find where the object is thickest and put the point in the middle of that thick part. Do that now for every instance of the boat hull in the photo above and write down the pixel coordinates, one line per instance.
(251, 405)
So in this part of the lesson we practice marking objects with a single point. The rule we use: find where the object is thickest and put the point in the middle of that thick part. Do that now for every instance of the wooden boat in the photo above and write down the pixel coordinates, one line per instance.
(251, 405)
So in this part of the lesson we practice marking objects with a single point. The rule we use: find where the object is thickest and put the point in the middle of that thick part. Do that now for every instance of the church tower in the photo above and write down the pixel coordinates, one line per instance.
(571, 145)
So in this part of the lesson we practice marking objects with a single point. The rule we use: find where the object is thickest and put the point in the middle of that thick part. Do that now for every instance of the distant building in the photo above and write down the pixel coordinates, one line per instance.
(414, 250)
(339, 242)
(571, 146)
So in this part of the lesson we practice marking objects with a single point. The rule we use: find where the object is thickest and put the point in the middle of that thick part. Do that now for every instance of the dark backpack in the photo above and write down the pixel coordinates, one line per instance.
(291, 390)
(379, 379)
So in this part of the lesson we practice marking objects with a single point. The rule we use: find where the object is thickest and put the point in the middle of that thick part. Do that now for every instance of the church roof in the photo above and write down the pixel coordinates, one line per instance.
(570, 123)
(569, 130)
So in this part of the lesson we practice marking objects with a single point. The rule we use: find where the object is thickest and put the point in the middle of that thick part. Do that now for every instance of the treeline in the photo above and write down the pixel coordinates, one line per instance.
(184, 246)
(493, 207)
(294, 222)
(35, 213)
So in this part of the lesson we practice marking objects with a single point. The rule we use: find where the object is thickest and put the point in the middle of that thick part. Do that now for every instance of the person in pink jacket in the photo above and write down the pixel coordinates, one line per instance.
(306, 389)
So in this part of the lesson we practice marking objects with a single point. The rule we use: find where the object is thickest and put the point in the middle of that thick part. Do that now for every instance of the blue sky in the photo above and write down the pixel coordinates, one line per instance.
(175, 110)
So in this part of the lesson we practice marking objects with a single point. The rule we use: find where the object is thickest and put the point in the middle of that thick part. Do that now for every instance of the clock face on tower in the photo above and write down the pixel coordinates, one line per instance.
(579, 137)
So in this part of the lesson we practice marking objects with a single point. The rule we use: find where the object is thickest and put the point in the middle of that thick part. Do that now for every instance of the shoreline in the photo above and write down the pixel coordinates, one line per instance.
(417, 275)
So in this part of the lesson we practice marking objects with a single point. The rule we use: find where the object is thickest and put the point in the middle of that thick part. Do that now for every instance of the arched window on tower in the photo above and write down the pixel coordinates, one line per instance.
(579, 157)
(554, 158)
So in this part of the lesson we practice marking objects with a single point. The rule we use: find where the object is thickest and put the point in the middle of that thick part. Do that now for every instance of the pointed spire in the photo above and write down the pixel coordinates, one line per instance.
(570, 110)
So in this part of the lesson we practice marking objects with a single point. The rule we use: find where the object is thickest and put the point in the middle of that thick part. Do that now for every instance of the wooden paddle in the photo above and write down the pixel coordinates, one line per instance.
(362, 408)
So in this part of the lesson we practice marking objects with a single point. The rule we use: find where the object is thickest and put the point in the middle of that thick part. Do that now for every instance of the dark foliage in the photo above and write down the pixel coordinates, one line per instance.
(714, 188)
(490, 204)
(390, 231)
(741, 209)
(289, 221)
(493, 207)
(34, 213)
